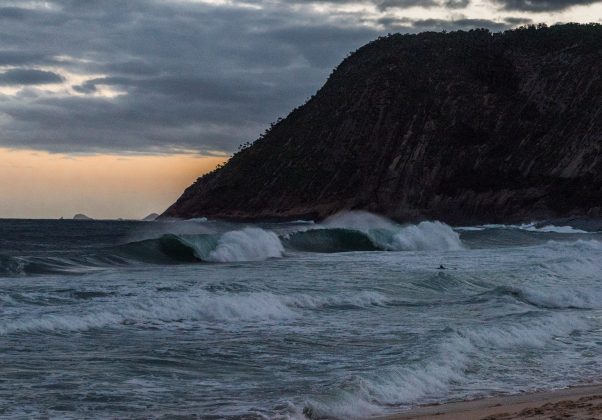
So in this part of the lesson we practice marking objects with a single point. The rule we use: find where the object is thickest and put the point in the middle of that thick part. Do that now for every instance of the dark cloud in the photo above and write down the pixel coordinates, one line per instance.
(440, 25)
(188, 75)
(456, 4)
(12, 13)
(402, 4)
(409, 25)
(517, 21)
(397, 24)
(542, 5)
(29, 77)
(181, 75)
(384, 5)
(17, 58)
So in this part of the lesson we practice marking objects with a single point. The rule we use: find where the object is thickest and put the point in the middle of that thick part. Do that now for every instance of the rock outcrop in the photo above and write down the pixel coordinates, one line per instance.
(81, 216)
(463, 127)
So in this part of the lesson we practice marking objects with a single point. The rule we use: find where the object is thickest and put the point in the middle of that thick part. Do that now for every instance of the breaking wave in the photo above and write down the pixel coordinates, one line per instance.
(350, 231)
(366, 395)
(362, 231)
(427, 236)
(556, 298)
(21, 266)
(249, 244)
(206, 306)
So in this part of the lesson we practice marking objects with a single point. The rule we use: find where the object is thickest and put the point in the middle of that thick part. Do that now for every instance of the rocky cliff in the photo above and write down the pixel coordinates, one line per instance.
(463, 127)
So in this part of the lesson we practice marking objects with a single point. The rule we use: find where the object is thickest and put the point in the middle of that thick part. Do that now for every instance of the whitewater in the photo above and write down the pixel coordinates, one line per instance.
(350, 317)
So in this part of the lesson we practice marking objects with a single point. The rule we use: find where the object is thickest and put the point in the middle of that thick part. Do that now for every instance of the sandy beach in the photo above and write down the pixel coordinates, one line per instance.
(581, 402)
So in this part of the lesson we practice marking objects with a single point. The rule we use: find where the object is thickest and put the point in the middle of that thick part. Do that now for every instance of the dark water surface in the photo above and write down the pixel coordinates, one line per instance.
(347, 318)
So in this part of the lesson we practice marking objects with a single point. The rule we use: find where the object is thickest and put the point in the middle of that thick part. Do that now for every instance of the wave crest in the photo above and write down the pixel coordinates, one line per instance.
(383, 234)
(364, 396)
(427, 236)
(248, 244)
(205, 306)
(557, 298)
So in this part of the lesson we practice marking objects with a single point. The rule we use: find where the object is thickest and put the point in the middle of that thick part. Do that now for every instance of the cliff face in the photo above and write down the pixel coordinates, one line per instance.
(462, 127)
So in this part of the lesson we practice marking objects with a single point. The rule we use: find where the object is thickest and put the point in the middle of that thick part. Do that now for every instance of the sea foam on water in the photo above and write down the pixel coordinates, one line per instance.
(349, 317)
(248, 244)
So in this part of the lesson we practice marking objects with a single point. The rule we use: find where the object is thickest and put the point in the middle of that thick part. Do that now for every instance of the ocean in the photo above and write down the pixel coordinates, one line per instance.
(352, 317)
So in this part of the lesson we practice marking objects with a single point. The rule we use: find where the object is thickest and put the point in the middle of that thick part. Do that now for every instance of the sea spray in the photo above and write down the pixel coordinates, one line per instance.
(388, 235)
(359, 230)
(426, 236)
(248, 244)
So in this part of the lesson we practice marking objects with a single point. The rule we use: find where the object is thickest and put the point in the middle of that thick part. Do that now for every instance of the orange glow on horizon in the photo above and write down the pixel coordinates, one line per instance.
(35, 184)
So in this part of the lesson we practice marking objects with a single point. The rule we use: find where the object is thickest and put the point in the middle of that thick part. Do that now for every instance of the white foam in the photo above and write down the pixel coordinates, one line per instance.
(581, 244)
(248, 244)
(360, 300)
(435, 376)
(498, 226)
(570, 260)
(428, 235)
(257, 306)
(535, 333)
(529, 227)
(52, 322)
(469, 228)
(562, 298)
(222, 308)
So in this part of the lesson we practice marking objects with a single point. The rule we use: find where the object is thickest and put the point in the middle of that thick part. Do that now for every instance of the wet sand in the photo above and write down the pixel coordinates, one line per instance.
(581, 402)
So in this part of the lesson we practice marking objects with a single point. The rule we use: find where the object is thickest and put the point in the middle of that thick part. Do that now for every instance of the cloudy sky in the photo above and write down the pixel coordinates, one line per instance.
(116, 84)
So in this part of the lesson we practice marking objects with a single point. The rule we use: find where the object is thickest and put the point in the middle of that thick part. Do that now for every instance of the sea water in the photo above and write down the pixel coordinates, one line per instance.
(354, 316)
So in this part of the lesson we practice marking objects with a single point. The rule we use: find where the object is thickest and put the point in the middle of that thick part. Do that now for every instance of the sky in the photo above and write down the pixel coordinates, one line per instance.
(111, 108)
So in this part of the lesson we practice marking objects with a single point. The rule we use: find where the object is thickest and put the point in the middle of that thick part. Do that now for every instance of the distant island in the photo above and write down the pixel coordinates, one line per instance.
(81, 216)
(150, 217)
(464, 127)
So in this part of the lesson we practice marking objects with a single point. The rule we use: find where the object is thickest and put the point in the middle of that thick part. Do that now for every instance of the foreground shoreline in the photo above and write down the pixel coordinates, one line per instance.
(578, 402)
